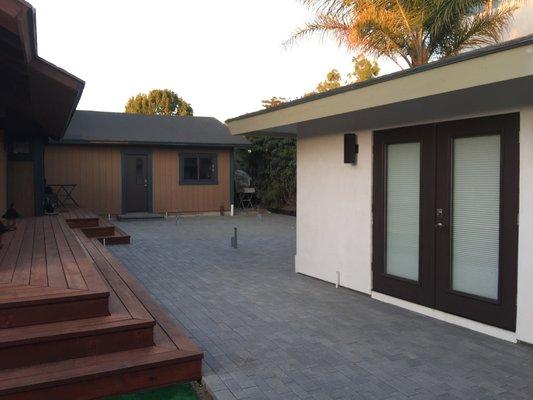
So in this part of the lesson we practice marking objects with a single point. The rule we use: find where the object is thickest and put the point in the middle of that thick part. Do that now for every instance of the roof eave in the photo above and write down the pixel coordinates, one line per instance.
(451, 74)
(22, 16)
(147, 143)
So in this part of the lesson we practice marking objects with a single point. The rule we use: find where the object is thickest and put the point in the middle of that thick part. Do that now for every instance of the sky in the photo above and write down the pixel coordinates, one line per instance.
(223, 57)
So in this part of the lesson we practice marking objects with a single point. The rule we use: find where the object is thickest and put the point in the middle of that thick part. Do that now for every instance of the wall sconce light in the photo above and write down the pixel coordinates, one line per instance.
(351, 148)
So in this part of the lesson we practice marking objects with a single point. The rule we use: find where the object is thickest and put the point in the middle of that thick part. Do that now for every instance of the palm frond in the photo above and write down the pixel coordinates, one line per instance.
(331, 7)
(324, 25)
(448, 13)
(416, 31)
(380, 29)
(483, 29)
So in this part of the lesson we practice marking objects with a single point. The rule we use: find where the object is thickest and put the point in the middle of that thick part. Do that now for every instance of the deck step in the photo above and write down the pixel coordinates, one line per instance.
(112, 240)
(139, 216)
(101, 376)
(89, 222)
(96, 227)
(99, 231)
(45, 343)
(30, 305)
(119, 236)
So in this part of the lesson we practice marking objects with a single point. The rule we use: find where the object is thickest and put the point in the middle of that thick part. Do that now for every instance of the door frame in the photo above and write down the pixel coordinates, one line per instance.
(500, 312)
(421, 292)
(438, 296)
(136, 151)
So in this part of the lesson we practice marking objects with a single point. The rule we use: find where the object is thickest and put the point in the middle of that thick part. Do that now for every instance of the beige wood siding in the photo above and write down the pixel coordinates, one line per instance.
(3, 174)
(97, 172)
(95, 169)
(21, 185)
(170, 196)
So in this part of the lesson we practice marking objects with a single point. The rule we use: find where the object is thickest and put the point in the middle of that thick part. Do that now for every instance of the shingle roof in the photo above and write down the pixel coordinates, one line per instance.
(96, 126)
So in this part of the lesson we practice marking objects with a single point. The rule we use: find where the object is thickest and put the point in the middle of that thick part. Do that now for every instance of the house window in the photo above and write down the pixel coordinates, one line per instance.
(198, 169)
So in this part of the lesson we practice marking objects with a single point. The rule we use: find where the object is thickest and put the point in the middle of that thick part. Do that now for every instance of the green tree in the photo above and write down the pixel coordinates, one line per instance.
(363, 69)
(271, 163)
(273, 102)
(333, 81)
(414, 32)
(158, 102)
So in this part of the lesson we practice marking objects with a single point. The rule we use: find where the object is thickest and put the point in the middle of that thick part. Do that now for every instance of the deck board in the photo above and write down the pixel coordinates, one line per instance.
(85, 264)
(56, 275)
(25, 292)
(21, 274)
(6, 241)
(71, 269)
(39, 269)
(128, 298)
(11, 255)
(116, 306)
(10, 260)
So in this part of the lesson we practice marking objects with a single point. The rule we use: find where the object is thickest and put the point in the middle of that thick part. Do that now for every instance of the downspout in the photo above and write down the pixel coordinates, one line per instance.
(232, 176)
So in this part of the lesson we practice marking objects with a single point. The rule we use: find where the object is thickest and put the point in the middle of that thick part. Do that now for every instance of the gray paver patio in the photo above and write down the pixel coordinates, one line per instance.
(269, 333)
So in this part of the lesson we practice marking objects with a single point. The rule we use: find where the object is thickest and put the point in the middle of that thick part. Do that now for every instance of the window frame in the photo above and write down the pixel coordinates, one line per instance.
(197, 156)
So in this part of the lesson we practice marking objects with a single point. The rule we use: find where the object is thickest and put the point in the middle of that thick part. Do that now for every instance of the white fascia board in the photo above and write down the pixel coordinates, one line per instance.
(490, 68)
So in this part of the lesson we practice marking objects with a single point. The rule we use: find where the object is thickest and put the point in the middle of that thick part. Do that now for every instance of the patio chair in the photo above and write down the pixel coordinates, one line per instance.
(246, 198)
(245, 193)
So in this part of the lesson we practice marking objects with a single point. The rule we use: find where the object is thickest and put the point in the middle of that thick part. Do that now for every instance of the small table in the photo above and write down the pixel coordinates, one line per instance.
(64, 193)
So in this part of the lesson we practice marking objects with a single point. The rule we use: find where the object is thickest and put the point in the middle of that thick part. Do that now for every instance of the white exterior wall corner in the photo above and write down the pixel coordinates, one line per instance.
(524, 329)
(334, 223)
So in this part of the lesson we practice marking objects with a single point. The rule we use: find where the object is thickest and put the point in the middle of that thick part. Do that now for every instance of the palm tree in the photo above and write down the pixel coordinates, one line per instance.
(415, 31)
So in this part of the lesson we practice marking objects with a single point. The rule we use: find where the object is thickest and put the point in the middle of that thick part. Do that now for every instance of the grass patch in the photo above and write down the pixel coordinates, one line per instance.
(178, 392)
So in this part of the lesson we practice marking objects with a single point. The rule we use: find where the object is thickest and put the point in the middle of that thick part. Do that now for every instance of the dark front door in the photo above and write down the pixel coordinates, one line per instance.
(445, 216)
(136, 185)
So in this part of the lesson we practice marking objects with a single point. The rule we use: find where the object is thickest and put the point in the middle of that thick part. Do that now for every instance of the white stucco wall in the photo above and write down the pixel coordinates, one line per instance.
(334, 224)
(334, 211)
(524, 329)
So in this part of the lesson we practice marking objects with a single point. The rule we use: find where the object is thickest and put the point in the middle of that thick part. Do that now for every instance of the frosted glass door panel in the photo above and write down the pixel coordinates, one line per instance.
(476, 215)
(402, 210)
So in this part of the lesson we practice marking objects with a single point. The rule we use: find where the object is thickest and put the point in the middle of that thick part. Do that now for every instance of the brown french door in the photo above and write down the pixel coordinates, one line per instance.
(445, 216)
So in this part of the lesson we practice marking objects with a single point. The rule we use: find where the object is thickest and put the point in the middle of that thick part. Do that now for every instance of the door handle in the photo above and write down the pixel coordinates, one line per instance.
(439, 225)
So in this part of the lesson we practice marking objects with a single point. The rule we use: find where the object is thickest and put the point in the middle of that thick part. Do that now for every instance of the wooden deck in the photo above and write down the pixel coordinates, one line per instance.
(74, 324)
